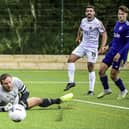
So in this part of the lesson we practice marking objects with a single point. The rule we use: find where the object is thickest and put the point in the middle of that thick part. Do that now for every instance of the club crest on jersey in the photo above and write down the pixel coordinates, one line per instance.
(120, 28)
(90, 28)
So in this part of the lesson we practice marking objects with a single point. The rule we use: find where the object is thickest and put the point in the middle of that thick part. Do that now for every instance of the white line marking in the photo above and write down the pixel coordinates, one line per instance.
(64, 82)
(101, 104)
(53, 82)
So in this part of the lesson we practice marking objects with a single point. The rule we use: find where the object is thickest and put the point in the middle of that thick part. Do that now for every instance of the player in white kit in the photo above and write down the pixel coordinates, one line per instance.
(88, 39)
(13, 91)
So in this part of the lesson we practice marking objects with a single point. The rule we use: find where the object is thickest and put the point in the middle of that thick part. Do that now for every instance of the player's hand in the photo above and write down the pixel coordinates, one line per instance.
(78, 40)
(8, 107)
(116, 57)
(103, 49)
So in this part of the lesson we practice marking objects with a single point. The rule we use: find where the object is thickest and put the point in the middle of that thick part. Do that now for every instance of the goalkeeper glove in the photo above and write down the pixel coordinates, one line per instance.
(8, 107)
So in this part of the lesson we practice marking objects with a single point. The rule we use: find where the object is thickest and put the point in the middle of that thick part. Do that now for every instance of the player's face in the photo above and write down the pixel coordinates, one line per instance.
(90, 13)
(122, 16)
(7, 84)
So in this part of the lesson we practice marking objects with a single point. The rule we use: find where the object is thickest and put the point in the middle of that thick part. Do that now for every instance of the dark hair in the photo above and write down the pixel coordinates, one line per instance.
(4, 76)
(124, 8)
(90, 6)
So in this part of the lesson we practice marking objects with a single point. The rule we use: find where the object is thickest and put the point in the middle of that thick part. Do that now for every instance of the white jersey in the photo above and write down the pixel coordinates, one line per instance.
(91, 30)
(12, 96)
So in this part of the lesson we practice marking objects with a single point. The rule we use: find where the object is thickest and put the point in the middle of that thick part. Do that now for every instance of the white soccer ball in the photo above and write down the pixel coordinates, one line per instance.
(17, 113)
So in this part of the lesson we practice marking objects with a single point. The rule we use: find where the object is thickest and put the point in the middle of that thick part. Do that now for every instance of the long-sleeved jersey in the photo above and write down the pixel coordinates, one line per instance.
(119, 44)
(15, 94)
(120, 41)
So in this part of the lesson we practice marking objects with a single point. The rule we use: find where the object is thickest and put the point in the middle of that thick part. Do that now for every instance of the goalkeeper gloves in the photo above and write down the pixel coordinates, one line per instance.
(8, 107)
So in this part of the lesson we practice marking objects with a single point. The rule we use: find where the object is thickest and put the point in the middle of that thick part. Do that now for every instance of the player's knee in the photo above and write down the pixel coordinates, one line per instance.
(113, 76)
(90, 67)
(101, 72)
(72, 58)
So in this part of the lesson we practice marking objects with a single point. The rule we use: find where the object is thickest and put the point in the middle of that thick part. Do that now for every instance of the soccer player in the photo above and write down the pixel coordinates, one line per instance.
(87, 37)
(117, 55)
(13, 91)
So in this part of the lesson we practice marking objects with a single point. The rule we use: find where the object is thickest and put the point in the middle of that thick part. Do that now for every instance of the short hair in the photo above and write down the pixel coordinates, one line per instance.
(124, 8)
(4, 76)
(90, 6)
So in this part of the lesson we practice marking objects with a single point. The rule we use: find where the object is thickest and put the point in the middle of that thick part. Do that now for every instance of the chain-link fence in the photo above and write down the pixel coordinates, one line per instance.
(48, 26)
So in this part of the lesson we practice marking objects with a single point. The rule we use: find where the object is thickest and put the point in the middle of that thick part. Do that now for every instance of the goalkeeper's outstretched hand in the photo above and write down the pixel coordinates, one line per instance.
(8, 107)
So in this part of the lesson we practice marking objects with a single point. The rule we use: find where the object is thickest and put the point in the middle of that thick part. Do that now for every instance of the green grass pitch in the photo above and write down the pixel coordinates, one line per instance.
(86, 114)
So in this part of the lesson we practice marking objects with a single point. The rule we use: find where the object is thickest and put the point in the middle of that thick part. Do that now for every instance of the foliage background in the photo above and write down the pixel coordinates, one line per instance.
(34, 26)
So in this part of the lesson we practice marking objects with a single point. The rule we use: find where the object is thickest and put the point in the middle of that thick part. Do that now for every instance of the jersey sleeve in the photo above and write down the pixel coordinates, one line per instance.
(82, 22)
(101, 27)
(20, 85)
(126, 47)
(24, 93)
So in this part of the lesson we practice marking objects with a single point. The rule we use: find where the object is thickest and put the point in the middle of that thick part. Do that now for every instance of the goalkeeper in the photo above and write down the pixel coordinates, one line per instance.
(13, 91)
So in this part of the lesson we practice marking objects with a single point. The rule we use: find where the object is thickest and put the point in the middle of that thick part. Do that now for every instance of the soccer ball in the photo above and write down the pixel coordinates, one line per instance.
(17, 113)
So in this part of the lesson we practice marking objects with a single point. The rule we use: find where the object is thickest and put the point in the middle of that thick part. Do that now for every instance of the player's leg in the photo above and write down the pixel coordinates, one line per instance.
(106, 63)
(71, 71)
(92, 78)
(104, 80)
(76, 54)
(45, 102)
(71, 66)
(91, 60)
(117, 80)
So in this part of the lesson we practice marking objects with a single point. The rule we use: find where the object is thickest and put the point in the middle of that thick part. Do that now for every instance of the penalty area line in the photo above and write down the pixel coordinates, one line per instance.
(101, 104)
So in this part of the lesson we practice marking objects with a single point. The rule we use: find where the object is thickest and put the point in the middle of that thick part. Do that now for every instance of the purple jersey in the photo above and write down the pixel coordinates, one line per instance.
(121, 36)
(119, 44)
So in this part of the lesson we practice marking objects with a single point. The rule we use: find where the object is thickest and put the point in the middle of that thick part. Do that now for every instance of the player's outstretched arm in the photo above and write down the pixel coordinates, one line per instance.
(23, 99)
(6, 108)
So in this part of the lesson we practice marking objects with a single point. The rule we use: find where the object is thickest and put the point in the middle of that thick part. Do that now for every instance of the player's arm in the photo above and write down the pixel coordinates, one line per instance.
(102, 30)
(103, 47)
(79, 35)
(24, 96)
(124, 49)
(23, 92)
(6, 108)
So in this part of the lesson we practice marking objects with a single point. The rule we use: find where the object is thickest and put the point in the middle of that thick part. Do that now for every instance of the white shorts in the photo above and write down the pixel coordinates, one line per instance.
(90, 53)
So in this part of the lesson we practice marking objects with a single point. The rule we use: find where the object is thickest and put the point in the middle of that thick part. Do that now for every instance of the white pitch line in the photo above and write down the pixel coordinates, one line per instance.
(101, 104)
(52, 82)
(63, 82)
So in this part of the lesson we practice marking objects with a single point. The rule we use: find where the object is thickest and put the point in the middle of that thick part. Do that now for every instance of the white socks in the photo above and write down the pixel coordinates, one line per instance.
(92, 78)
(71, 71)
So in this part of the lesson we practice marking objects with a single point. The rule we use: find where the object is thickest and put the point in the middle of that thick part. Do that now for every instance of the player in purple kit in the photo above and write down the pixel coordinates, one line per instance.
(116, 55)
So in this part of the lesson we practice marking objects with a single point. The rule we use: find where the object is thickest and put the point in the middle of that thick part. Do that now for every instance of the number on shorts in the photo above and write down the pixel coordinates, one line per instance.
(93, 54)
